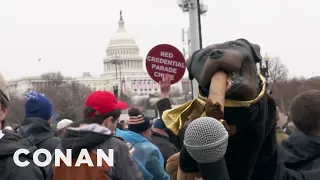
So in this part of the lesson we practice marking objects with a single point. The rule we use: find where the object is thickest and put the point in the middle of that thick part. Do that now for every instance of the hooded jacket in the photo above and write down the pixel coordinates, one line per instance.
(41, 132)
(166, 148)
(301, 152)
(163, 105)
(9, 144)
(147, 156)
(93, 137)
(281, 136)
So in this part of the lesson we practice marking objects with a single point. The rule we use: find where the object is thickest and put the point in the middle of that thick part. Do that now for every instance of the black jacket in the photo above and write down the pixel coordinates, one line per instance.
(162, 105)
(301, 152)
(93, 137)
(166, 148)
(253, 153)
(41, 132)
(10, 143)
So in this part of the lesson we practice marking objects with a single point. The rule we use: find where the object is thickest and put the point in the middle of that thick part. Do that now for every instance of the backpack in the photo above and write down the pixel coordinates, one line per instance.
(83, 172)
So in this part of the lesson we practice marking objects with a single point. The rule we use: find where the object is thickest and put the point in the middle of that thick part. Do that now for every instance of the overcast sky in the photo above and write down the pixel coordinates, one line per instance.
(72, 35)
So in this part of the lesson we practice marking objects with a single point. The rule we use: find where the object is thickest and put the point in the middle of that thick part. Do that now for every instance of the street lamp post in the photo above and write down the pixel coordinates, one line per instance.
(117, 62)
(195, 8)
(264, 67)
(115, 90)
(264, 70)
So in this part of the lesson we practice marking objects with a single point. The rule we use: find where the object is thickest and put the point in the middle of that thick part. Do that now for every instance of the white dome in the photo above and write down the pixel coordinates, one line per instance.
(122, 37)
(122, 54)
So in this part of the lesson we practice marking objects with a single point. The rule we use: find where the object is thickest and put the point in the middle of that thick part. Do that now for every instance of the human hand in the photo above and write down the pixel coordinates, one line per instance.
(165, 85)
(131, 151)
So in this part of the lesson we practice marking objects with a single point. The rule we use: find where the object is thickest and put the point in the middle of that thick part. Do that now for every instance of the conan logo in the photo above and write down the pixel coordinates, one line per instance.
(83, 158)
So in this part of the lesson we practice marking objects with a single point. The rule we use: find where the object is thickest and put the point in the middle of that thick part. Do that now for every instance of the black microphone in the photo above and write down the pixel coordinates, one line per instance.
(206, 140)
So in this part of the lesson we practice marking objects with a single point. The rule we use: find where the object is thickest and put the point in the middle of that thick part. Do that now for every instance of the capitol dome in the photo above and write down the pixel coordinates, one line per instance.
(122, 38)
(123, 53)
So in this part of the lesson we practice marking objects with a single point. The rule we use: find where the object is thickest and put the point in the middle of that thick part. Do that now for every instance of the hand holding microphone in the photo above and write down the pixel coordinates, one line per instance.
(206, 140)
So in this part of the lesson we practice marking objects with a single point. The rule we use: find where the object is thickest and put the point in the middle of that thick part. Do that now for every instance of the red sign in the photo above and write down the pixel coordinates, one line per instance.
(165, 59)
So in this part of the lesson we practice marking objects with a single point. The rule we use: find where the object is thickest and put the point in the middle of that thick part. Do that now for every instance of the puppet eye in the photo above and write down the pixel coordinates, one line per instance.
(233, 44)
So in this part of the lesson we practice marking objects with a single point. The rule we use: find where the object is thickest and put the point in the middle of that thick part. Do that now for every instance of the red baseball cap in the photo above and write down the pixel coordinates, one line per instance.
(104, 102)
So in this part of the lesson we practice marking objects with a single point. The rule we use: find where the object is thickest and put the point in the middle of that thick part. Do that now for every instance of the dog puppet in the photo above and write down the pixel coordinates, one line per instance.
(250, 112)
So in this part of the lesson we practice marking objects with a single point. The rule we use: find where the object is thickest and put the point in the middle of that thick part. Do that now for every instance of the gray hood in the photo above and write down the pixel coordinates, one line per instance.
(38, 128)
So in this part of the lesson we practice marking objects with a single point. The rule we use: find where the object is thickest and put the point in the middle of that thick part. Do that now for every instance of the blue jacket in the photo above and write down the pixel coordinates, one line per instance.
(147, 156)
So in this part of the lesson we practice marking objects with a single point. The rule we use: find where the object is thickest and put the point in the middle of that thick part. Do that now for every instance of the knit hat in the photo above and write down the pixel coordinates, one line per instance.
(63, 124)
(159, 124)
(138, 123)
(37, 105)
(4, 90)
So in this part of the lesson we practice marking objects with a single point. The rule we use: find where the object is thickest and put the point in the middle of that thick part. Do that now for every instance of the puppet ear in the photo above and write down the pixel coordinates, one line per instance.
(189, 63)
(255, 50)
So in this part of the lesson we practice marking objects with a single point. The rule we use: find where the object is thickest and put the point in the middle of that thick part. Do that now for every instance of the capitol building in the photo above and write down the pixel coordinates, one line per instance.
(122, 69)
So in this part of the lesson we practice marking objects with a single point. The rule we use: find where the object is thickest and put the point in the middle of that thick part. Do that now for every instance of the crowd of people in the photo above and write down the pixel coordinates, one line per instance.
(141, 146)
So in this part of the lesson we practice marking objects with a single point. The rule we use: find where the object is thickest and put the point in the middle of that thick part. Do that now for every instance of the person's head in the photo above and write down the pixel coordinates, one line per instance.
(134, 111)
(288, 117)
(62, 126)
(141, 125)
(120, 126)
(102, 107)
(37, 105)
(4, 100)
(122, 122)
(305, 112)
(159, 127)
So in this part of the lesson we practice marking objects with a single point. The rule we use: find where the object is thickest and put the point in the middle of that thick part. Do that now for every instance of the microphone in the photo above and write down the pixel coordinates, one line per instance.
(206, 140)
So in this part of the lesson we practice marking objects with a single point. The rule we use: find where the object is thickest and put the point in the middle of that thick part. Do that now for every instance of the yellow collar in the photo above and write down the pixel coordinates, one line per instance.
(233, 103)
(174, 119)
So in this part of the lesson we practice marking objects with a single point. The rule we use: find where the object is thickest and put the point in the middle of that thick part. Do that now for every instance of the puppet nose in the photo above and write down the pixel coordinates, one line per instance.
(216, 54)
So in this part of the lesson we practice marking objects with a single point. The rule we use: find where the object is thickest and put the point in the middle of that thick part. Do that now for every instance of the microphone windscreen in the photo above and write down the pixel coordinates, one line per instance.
(206, 140)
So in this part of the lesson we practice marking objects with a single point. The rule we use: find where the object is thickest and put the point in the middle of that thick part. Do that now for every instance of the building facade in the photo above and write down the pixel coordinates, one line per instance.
(122, 70)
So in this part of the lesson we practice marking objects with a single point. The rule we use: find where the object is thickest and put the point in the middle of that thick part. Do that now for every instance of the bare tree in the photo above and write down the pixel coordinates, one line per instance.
(284, 91)
(175, 92)
(54, 78)
(67, 98)
(126, 98)
(314, 82)
(277, 70)
(16, 110)
(145, 103)
(71, 97)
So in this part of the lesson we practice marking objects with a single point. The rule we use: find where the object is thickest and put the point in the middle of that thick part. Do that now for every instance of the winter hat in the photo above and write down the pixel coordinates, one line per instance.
(138, 123)
(4, 89)
(63, 124)
(103, 102)
(159, 124)
(37, 105)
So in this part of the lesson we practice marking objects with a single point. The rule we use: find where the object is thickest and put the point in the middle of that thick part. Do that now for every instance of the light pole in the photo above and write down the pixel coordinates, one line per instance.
(195, 9)
(115, 90)
(118, 61)
(264, 67)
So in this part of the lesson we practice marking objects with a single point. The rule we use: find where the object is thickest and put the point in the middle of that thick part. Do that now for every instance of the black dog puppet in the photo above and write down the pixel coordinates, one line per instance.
(252, 149)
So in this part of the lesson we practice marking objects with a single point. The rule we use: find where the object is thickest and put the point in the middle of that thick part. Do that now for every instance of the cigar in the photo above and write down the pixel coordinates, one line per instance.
(218, 88)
